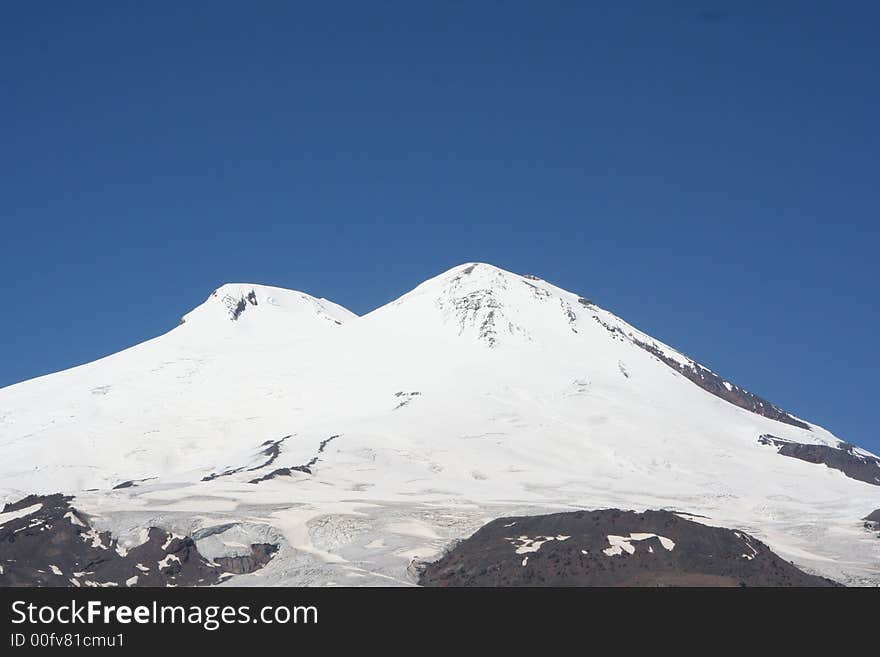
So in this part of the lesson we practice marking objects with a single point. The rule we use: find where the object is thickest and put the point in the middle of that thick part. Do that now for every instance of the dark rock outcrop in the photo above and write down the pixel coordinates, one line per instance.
(131, 483)
(270, 448)
(225, 473)
(305, 467)
(405, 398)
(238, 306)
(611, 548)
(45, 541)
(327, 441)
(261, 554)
(872, 521)
(285, 472)
(862, 467)
(712, 383)
(705, 378)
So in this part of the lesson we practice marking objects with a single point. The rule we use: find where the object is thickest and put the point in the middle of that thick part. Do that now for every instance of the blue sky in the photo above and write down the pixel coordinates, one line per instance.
(707, 170)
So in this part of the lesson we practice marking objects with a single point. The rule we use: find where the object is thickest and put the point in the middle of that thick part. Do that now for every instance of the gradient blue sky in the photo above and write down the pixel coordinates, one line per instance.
(707, 170)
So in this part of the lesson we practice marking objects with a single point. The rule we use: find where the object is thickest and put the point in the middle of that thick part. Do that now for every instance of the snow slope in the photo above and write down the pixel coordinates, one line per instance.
(477, 394)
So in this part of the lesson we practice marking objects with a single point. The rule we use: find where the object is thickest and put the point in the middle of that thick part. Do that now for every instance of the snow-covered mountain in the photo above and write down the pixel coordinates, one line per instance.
(361, 443)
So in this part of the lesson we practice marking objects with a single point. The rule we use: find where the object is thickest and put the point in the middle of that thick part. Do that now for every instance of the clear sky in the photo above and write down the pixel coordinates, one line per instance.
(707, 170)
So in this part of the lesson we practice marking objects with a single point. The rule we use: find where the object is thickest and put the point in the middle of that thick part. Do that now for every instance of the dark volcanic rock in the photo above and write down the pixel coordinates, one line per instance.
(305, 467)
(283, 472)
(261, 554)
(225, 473)
(611, 548)
(49, 543)
(270, 448)
(329, 440)
(711, 382)
(238, 306)
(872, 521)
(862, 467)
(404, 397)
(130, 483)
(706, 378)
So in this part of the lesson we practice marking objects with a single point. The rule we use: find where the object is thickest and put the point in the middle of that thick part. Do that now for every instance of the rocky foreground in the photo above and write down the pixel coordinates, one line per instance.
(45, 541)
(612, 548)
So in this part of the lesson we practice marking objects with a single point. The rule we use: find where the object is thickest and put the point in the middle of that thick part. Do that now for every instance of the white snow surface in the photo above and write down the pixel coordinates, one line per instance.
(480, 393)
(8, 516)
(620, 544)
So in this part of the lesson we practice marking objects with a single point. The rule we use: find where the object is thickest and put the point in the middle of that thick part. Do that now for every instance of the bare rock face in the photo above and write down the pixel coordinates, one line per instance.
(612, 548)
(872, 521)
(45, 541)
(855, 465)
(704, 377)
(261, 554)
(712, 383)
(238, 305)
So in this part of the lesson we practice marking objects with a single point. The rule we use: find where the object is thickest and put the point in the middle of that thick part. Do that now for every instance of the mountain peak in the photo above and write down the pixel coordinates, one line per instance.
(490, 304)
(481, 271)
(250, 303)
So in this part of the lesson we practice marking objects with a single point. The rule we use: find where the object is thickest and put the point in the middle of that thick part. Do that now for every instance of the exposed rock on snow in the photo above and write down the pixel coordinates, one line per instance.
(270, 449)
(698, 374)
(286, 472)
(64, 550)
(248, 304)
(237, 305)
(654, 548)
(872, 521)
(404, 398)
(854, 463)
